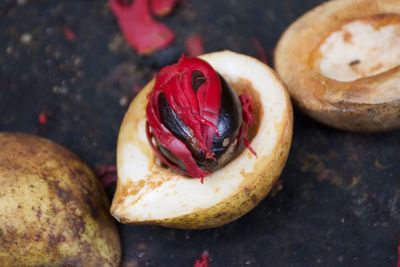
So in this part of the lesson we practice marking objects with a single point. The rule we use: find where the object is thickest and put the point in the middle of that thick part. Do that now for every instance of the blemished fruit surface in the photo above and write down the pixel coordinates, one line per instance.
(53, 211)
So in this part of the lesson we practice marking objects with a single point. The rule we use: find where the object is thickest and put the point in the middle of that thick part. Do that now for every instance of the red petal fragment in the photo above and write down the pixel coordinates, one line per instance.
(136, 88)
(203, 261)
(69, 34)
(108, 179)
(107, 174)
(42, 118)
(140, 30)
(261, 54)
(194, 45)
(162, 7)
(248, 120)
(103, 169)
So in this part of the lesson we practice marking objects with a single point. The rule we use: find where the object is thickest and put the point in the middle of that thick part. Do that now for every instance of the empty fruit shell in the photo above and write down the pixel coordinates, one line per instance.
(341, 63)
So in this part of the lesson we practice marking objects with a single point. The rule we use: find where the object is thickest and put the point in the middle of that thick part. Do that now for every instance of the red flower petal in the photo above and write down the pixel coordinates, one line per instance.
(261, 54)
(136, 88)
(140, 30)
(162, 7)
(103, 169)
(107, 174)
(69, 34)
(194, 45)
(108, 179)
(42, 118)
(203, 261)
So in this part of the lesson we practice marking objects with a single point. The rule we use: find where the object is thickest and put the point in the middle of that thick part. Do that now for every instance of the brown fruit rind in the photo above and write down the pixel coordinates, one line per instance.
(368, 104)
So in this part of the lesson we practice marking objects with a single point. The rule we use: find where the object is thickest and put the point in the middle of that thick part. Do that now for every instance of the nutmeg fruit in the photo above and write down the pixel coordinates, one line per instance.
(341, 63)
(53, 210)
(148, 192)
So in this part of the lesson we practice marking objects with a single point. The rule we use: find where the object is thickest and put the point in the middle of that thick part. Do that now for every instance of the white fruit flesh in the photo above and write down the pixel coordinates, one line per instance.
(149, 192)
(360, 49)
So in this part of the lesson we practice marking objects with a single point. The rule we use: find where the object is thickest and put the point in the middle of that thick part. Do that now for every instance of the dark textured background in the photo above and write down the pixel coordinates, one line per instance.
(339, 204)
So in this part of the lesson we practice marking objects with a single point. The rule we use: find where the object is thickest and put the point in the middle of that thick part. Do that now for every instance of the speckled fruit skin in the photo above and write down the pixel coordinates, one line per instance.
(369, 104)
(254, 187)
(53, 211)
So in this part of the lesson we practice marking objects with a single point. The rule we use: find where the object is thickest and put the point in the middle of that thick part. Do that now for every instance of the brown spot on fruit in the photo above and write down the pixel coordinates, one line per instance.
(77, 226)
(38, 213)
(254, 199)
(63, 194)
(54, 239)
(92, 207)
(347, 37)
(247, 191)
(354, 62)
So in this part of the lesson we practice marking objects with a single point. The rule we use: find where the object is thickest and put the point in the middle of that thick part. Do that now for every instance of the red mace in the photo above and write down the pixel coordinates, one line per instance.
(195, 121)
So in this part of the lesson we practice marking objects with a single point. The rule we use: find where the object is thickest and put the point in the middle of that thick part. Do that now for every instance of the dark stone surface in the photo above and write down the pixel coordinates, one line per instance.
(340, 199)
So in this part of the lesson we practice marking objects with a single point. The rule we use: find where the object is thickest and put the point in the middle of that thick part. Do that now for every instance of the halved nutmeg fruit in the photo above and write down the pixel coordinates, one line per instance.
(225, 118)
(341, 63)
